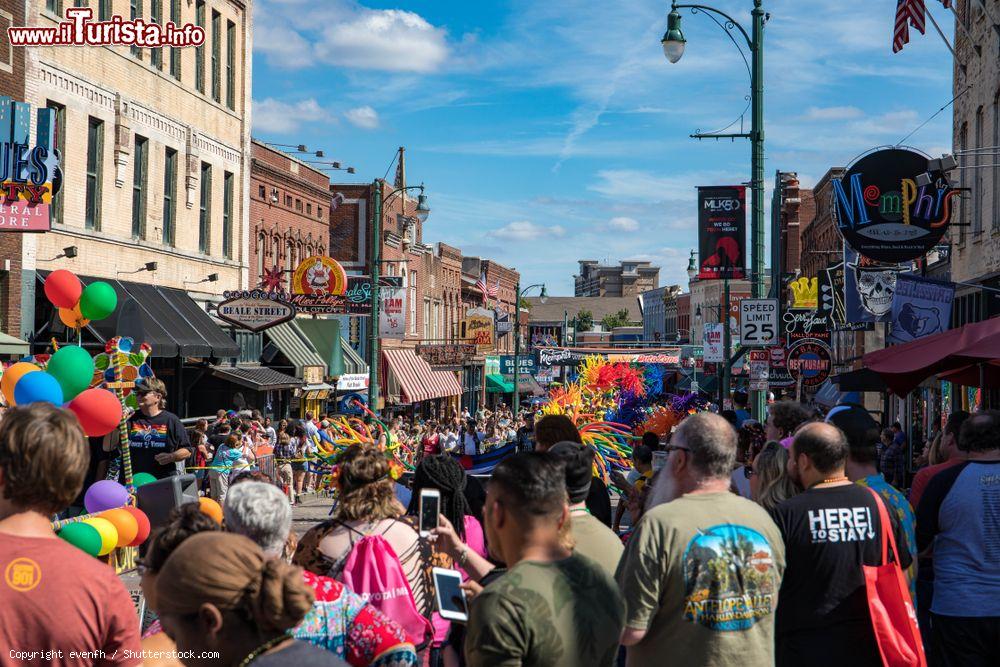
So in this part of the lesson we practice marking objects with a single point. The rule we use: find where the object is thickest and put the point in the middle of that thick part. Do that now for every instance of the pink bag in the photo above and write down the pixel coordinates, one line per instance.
(894, 619)
(372, 570)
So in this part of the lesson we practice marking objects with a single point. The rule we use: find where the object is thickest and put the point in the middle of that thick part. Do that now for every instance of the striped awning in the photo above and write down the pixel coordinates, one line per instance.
(417, 380)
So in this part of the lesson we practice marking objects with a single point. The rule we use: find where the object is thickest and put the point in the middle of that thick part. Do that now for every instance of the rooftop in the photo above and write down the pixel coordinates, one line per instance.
(599, 306)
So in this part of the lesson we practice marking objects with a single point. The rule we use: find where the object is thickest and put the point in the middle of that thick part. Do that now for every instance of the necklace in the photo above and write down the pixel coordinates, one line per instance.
(270, 643)
(580, 510)
(832, 480)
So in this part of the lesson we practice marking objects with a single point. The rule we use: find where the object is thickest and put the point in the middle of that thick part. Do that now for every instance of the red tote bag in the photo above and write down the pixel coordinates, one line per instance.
(894, 618)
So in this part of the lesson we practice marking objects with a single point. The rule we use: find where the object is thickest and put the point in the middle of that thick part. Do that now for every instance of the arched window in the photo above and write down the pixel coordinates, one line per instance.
(261, 249)
(978, 179)
(290, 253)
(276, 259)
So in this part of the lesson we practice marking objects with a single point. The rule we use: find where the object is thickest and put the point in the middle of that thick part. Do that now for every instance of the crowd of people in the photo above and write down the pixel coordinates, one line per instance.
(733, 542)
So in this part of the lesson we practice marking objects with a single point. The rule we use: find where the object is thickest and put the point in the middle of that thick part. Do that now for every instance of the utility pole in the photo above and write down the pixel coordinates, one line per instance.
(373, 323)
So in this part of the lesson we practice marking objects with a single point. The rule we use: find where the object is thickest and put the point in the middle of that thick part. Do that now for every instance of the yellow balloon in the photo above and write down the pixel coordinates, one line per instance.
(12, 375)
(108, 533)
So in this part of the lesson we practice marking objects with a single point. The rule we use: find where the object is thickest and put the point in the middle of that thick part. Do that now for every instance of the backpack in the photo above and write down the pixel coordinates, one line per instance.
(372, 570)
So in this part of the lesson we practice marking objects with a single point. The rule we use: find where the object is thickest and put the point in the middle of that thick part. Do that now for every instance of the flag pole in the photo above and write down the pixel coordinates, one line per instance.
(938, 28)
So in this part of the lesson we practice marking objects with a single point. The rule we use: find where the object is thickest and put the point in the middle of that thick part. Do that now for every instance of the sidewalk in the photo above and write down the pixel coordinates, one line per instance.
(310, 511)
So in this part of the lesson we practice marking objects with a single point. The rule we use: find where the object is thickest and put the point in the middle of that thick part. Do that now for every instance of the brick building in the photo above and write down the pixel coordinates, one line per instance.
(797, 209)
(629, 278)
(820, 241)
(289, 211)
(12, 86)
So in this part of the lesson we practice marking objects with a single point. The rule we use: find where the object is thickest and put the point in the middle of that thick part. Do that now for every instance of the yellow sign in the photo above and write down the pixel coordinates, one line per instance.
(319, 275)
(479, 328)
(805, 292)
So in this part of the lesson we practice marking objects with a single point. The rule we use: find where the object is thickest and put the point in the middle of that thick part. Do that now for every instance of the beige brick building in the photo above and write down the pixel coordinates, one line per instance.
(156, 149)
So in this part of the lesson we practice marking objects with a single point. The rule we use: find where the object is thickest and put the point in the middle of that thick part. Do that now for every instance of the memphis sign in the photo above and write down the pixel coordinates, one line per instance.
(882, 212)
(29, 174)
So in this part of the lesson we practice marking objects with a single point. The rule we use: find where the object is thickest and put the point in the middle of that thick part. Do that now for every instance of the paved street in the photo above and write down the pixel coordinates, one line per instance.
(309, 512)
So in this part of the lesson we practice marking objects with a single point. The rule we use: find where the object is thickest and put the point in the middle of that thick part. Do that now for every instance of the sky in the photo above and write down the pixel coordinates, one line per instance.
(550, 132)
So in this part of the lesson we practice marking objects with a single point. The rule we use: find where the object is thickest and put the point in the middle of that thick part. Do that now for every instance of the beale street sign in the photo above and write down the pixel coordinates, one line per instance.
(255, 310)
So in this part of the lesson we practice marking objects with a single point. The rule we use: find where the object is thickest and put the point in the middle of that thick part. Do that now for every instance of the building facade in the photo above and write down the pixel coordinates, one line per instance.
(659, 314)
(629, 278)
(797, 210)
(821, 243)
(12, 86)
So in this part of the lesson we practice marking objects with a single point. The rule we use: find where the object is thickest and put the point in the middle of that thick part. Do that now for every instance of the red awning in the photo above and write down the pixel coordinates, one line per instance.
(969, 376)
(417, 380)
(904, 367)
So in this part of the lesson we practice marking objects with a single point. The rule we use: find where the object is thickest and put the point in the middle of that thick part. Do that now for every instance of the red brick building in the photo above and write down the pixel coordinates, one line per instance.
(797, 210)
(289, 211)
(11, 85)
(821, 242)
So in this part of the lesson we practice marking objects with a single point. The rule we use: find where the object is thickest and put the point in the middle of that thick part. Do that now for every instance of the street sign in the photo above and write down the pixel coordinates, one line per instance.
(255, 310)
(759, 361)
(759, 322)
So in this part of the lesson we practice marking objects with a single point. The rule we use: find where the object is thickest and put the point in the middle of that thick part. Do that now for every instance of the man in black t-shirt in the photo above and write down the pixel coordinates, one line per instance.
(157, 439)
(831, 530)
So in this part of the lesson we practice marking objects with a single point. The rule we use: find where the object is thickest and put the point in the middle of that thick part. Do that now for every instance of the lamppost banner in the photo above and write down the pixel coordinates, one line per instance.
(713, 334)
(722, 231)
(391, 321)
(920, 307)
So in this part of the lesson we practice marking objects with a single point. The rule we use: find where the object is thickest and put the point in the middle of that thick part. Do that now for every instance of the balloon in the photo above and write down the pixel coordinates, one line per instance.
(126, 525)
(98, 301)
(83, 536)
(72, 366)
(38, 387)
(142, 521)
(141, 478)
(211, 508)
(107, 531)
(73, 318)
(98, 410)
(12, 375)
(104, 495)
(63, 289)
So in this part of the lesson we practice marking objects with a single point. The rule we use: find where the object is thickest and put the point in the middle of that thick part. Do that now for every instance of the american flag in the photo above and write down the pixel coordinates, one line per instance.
(908, 12)
(481, 285)
(493, 292)
(946, 3)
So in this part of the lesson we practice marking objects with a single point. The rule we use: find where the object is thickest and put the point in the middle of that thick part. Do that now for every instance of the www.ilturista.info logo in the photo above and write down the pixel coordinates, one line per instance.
(79, 30)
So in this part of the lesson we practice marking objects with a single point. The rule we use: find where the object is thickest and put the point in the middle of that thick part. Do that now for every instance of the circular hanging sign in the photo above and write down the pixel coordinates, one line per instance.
(319, 275)
(809, 360)
(884, 214)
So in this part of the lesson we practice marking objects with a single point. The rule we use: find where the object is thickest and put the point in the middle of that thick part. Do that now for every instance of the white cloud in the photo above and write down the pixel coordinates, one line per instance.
(271, 115)
(389, 40)
(364, 117)
(624, 224)
(833, 113)
(522, 230)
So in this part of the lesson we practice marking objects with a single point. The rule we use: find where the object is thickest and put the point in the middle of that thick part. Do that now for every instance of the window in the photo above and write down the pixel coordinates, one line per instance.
(205, 209)
(54, 6)
(261, 192)
(199, 51)
(156, 16)
(963, 144)
(298, 204)
(288, 201)
(169, 195)
(427, 319)
(996, 167)
(227, 215)
(60, 145)
(412, 296)
(260, 255)
(319, 212)
(216, 55)
(175, 54)
(104, 10)
(135, 12)
(309, 208)
(276, 260)
(140, 167)
(95, 154)
(230, 64)
(80, 3)
(977, 188)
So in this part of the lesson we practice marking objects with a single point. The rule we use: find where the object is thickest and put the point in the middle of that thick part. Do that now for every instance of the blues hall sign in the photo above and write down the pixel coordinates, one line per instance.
(882, 212)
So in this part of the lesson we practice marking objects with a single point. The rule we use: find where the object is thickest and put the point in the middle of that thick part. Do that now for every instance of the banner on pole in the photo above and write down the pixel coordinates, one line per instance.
(920, 307)
(713, 339)
(722, 223)
(391, 318)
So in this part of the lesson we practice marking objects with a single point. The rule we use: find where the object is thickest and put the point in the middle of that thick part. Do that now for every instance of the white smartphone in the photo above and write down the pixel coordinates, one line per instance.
(451, 601)
(430, 507)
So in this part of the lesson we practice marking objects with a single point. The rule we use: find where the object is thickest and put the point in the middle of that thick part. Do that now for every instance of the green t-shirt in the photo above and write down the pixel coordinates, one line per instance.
(701, 574)
(562, 614)
(596, 541)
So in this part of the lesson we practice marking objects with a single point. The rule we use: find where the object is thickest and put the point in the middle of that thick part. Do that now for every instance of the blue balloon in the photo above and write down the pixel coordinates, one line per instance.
(43, 388)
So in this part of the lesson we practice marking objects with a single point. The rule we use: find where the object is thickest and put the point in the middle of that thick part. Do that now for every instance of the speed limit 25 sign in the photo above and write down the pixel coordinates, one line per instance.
(758, 322)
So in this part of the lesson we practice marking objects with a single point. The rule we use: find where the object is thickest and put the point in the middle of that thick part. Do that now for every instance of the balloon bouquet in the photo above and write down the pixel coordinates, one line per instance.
(67, 378)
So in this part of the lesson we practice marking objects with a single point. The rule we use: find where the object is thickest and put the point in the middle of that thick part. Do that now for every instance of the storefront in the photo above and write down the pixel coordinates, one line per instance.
(412, 384)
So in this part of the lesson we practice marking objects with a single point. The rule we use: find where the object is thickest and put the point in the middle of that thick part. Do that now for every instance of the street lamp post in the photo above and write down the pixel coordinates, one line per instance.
(673, 48)
(376, 258)
(543, 297)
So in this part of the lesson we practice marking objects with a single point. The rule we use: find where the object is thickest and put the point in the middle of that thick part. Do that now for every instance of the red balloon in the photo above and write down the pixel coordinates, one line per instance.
(98, 410)
(143, 521)
(63, 289)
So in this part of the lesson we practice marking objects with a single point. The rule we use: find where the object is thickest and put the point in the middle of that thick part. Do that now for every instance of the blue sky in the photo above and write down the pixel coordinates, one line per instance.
(548, 132)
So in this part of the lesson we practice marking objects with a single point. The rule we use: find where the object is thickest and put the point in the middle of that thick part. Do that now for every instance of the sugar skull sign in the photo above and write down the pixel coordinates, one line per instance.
(869, 287)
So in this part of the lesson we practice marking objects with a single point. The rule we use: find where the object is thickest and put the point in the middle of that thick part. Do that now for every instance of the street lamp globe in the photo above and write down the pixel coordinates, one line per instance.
(423, 210)
(673, 40)
(544, 296)
(692, 269)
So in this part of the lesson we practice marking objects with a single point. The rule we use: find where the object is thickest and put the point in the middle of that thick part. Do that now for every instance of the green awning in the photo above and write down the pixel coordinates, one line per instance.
(11, 345)
(296, 346)
(496, 384)
(353, 363)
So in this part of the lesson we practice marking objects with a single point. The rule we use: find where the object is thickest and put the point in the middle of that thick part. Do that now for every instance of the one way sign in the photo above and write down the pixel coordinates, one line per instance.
(759, 322)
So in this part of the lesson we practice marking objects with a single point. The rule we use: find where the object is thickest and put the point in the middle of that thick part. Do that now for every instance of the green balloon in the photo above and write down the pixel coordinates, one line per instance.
(98, 301)
(82, 536)
(141, 478)
(72, 366)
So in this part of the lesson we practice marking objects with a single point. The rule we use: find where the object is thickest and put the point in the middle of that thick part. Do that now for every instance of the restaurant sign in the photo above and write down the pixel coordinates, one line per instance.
(320, 286)
(29, 174)
(255, 310)
(479, 328)
(457, 354)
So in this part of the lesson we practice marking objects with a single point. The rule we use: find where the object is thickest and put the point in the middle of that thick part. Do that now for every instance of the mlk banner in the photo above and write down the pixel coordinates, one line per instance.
(722, 224)
(920, 307)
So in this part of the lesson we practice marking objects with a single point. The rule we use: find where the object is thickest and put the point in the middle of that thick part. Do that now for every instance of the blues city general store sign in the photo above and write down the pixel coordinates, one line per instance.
(29, 172)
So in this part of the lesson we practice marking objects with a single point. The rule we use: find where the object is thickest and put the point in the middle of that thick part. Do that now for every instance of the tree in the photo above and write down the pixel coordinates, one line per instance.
(584, 321)
(619, 319)
(525, 304)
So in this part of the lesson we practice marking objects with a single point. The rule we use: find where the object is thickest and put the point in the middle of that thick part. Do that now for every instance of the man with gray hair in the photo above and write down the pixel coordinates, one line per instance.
(340, 620)
(704, 566)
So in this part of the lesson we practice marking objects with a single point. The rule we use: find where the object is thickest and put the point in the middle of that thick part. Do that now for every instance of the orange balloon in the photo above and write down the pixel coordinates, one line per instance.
(12, 375)
(128, 527)
(73, 318)
(211, 508)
